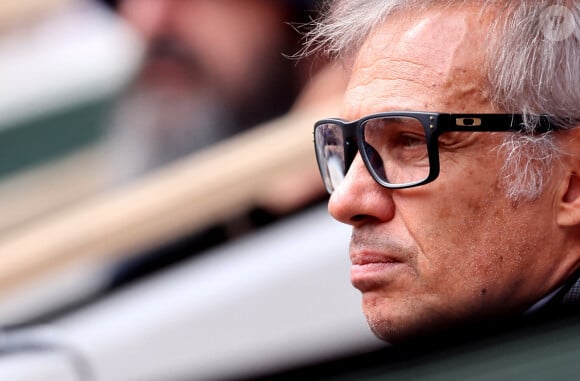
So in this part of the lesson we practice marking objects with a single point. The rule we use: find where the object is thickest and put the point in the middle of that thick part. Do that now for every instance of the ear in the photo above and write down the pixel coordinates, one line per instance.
(569, 207)
(569, 211)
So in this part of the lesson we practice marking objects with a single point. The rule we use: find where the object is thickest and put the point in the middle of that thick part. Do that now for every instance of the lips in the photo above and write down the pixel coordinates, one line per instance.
(372, 269)
(361, 258)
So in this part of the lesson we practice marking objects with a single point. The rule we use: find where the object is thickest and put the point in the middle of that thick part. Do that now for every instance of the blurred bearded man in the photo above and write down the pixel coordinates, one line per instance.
(212, 68)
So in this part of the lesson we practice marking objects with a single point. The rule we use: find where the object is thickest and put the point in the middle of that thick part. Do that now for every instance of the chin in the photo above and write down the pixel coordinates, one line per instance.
(393, 333)
(392, 329)
(398, 327)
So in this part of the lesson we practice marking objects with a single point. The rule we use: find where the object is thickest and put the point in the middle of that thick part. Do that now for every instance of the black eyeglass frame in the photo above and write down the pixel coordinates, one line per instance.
(434, 125)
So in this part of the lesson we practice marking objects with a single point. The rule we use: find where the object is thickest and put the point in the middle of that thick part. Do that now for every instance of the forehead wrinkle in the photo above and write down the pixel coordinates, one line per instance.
(366, 92)
(394, 68)
(396, 59)
(369, 98)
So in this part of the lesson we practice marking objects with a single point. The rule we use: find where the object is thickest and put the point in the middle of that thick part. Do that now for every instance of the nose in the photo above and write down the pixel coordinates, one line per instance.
(359, 199)
(151, 18)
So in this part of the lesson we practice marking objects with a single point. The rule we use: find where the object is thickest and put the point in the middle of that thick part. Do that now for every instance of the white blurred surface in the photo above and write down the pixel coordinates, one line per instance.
(36, 366)
(76, 53)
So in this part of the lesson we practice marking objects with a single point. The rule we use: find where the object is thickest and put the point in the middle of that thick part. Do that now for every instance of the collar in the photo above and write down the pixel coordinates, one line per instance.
(542, 302)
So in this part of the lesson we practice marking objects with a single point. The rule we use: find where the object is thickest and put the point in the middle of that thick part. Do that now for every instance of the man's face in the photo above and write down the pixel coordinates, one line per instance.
(224, 44)
(455, 249)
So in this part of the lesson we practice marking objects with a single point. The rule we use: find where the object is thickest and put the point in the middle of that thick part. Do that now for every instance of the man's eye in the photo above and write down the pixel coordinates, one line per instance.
(410, 140)
(409, 149)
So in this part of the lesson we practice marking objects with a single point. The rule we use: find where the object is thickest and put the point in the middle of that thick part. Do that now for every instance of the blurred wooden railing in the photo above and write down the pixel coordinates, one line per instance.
(204, 188)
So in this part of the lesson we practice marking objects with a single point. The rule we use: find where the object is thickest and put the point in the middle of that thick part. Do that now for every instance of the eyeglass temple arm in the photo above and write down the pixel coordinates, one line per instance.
(491, 123)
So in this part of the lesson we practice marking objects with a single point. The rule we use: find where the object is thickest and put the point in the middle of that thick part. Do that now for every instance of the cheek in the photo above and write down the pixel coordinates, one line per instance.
(463, 235)
(473, 246)
(466, 204)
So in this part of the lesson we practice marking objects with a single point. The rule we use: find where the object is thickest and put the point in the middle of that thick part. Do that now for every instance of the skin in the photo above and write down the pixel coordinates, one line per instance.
(455, 250)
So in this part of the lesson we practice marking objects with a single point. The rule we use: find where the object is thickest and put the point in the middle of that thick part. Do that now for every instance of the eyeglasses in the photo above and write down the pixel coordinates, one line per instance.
(400, 149)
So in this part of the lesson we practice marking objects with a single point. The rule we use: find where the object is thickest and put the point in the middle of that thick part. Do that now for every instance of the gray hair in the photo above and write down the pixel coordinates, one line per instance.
(529, 69)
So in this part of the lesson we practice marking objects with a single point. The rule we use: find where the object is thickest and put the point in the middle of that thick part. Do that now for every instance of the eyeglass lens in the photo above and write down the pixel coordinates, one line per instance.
(394, 149)
(330, 151)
